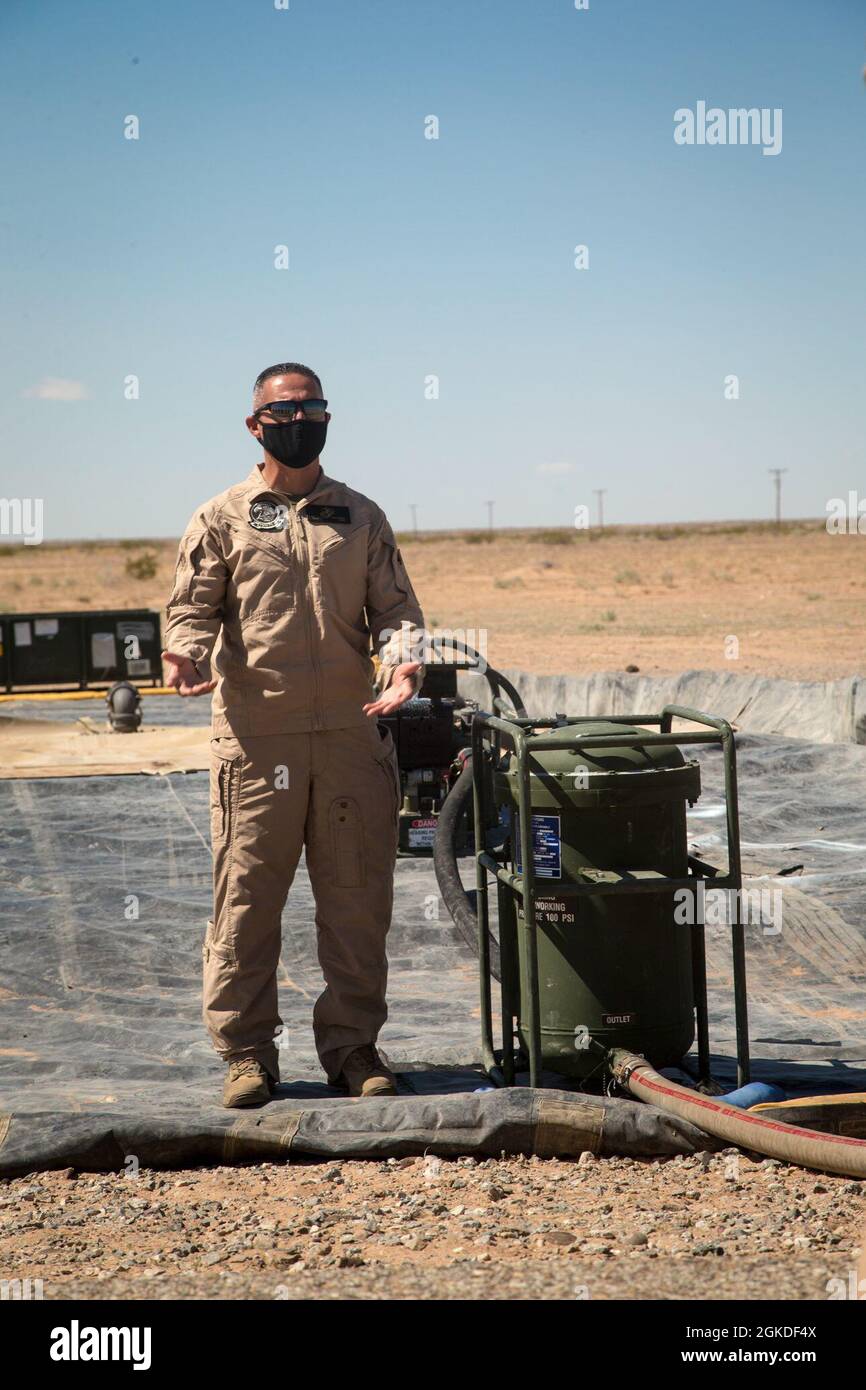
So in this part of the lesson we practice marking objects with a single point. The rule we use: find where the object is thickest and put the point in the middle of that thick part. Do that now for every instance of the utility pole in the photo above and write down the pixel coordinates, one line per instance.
(777, 479)
(413, 507)
(599, 492)
(489, 506)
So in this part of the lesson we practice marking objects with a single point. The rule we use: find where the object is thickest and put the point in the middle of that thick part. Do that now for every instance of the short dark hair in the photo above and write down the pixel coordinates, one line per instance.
(283, 369)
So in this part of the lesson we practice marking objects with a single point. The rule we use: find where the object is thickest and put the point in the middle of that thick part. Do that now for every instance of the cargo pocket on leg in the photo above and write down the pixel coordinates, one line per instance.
(225, 784)
(347, 843)
(219, 967)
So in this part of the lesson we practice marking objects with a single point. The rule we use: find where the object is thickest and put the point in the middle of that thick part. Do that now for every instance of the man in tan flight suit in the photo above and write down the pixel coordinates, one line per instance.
(297, 574)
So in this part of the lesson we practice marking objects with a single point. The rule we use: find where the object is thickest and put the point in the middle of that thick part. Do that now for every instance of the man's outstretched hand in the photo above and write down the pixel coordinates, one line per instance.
(181, 673)
(401, 689)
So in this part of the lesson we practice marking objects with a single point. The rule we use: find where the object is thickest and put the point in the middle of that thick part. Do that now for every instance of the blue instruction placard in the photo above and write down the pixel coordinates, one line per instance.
(546, 846)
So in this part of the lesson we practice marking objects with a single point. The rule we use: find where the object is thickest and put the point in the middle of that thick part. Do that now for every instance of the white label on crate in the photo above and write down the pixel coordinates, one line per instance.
(421, 833)
(103, 653)
(137, 666)
(22, 635)
(45, 627)
(546, 859)
(134, 627)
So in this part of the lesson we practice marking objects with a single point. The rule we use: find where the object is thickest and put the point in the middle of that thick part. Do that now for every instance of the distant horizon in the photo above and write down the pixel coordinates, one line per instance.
(480, 529)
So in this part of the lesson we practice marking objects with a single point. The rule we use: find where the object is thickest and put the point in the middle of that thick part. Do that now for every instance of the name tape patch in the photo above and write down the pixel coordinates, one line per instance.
(319, 512)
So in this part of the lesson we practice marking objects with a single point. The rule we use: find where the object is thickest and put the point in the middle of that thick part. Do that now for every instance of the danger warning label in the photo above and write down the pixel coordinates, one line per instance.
(421, 833)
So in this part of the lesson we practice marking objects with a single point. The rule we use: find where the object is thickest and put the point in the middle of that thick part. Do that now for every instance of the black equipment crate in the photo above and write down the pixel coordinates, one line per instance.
(80, 649)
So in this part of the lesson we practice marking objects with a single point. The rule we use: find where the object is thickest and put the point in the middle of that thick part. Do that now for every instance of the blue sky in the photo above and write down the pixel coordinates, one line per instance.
(452, 257)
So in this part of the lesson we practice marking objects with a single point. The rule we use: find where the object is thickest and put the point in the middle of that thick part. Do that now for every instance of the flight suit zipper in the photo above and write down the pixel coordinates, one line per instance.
(302, 551)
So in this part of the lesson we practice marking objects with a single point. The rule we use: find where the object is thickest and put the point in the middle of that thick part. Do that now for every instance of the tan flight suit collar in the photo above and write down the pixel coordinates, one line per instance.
(255, 486)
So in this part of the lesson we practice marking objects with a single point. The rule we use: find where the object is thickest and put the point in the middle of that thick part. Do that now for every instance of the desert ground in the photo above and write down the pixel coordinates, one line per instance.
(662, 598)
(712, 1226)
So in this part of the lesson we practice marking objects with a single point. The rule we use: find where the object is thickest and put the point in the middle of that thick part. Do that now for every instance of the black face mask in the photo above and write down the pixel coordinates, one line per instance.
(296, 444)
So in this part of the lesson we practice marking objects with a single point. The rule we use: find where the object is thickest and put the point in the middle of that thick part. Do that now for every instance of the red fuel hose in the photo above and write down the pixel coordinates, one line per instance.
(832, 1153)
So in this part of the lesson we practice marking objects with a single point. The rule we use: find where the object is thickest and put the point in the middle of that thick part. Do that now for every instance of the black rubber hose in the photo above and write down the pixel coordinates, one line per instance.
(458, 802)
(460, 904)
(495, 679)
(516, 702)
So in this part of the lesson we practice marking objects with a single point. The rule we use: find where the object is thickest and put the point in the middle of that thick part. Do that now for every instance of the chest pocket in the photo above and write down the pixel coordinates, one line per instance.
(325, 537)
(341, 566)
(264, 573)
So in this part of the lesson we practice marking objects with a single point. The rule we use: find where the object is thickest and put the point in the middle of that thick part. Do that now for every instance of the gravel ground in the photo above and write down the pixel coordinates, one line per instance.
(715, 1226)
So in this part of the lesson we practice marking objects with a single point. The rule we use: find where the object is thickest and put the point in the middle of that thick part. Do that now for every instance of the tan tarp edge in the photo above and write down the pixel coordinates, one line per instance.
(822, 711)
(86, 748)
(567, 1127)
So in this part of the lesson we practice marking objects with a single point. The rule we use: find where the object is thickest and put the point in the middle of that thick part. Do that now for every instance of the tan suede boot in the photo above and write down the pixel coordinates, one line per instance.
(365, 1074)
(247, 1083)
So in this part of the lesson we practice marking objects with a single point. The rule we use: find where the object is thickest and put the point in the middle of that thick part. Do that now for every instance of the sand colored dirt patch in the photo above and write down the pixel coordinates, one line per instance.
(43, 748)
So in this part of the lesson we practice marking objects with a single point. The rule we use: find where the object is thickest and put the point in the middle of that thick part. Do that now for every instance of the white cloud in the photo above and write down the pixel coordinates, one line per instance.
(554, 468)
(57, 388)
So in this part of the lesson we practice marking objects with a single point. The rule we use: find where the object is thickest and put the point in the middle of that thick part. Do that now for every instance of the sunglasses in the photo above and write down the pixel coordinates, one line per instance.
(282, 412)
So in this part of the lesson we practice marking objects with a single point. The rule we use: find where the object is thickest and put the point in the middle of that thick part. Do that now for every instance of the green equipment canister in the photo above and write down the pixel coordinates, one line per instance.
(614, 963)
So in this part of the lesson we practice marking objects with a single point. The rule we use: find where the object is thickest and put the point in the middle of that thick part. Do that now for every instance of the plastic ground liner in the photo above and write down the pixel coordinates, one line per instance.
(104, 894)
